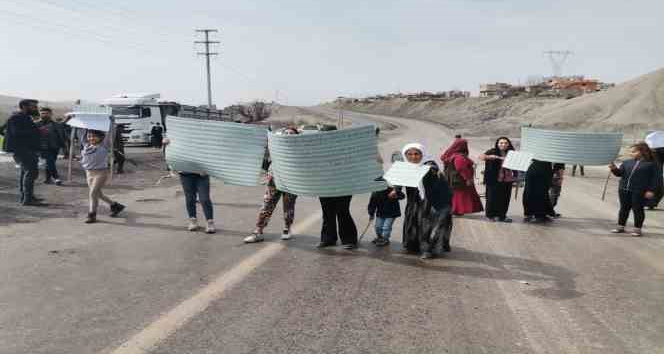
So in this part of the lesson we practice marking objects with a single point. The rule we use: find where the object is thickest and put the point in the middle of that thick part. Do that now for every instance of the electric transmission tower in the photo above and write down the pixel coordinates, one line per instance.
(558, 59)
(207, 55)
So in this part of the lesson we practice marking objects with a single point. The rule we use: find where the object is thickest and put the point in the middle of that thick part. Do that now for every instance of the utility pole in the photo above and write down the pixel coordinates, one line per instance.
(207, 54)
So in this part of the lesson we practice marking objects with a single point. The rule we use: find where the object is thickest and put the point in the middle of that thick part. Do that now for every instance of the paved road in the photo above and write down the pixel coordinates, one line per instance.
(143, 285)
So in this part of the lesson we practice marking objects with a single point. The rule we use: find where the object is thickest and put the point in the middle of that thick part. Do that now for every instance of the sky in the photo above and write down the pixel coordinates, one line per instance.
(303, 52)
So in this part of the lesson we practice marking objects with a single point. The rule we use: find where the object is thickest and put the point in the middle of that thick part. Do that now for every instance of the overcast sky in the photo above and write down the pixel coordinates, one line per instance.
(312, 51)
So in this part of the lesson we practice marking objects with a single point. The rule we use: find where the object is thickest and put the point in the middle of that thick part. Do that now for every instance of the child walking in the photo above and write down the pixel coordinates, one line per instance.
(94, 160)
(384, 208)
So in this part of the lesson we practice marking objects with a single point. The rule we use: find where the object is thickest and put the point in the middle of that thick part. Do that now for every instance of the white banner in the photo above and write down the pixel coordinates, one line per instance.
(405, 174)
(93, 121)
(518, 160)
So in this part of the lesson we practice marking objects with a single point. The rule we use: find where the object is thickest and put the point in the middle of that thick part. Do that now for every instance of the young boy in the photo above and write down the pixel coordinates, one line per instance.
(94, 159)
(384, 207)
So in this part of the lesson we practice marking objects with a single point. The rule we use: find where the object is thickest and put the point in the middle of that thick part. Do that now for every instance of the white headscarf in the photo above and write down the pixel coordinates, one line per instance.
(425, 158)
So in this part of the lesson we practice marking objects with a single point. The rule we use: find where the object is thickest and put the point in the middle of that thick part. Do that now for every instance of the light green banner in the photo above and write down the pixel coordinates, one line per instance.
(327, 164)
(232, 152)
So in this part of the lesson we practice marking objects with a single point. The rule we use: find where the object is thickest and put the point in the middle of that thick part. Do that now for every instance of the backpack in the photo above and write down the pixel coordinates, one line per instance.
(454, 179)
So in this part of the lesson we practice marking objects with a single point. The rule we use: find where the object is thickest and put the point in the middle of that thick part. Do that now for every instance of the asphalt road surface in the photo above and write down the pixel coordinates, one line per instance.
(142, 284)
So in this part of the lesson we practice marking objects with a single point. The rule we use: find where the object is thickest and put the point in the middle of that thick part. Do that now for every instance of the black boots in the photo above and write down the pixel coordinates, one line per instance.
(116, 208)
(92, 218)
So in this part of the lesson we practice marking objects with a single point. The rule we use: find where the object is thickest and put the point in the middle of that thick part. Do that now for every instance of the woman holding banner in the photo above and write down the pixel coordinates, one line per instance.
(271, 200)
(428, 218)
(498, 180)
(536, 200)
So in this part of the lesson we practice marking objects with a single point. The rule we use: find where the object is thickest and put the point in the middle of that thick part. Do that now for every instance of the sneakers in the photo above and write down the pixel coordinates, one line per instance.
(636, 233)
(254, 238)
(381, 242)
(116, 208)
(58, 182)
(193, 225)
(286, 235)
(505, 220)
(91, 219)
(209, 228)
(618, 230)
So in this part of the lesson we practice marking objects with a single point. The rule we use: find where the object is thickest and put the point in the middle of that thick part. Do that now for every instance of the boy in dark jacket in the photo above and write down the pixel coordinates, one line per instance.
(384, 207)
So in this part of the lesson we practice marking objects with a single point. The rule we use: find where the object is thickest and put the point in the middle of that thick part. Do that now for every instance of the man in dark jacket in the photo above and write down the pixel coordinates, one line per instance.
(52, 139)
(22, 139)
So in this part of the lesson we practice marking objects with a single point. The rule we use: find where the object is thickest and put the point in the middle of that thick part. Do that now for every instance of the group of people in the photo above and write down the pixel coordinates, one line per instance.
(445, 191)
(31, 133)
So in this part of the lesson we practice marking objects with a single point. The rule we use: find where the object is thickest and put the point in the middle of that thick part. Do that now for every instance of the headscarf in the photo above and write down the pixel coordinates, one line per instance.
(459, 145)
(425, 159)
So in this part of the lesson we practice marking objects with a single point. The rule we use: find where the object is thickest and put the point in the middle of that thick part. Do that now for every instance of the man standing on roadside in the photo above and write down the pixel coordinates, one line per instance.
(51, 140)
(23, 141)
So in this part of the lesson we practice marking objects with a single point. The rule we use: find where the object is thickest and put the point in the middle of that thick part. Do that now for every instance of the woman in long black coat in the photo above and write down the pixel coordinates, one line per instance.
(428, 217)
(536, 201)
(497, 180)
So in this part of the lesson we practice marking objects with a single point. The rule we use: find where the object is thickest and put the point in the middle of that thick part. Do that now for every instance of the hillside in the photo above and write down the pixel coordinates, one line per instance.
(634, 107)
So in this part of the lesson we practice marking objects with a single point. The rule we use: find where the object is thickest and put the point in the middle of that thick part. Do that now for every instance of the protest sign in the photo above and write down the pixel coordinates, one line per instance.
(573, 148)
(327, 164)
(518, 160)
(405, 174)
(232, 152)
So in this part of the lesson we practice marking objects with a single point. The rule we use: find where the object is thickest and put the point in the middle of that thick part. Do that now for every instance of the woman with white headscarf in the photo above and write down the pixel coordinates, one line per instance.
(428, 219)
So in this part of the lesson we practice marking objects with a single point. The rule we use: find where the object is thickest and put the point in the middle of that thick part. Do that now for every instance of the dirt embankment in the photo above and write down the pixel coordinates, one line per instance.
(634, 107)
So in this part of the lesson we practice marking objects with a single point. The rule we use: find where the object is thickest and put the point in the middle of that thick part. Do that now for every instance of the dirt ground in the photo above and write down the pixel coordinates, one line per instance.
(70, 199)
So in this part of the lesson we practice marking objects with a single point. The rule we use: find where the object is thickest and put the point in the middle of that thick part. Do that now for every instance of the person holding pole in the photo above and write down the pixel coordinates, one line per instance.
(638, 181)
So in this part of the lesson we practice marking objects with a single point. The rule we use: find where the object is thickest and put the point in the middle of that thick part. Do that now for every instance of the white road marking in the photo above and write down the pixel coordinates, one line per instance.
(170, 322)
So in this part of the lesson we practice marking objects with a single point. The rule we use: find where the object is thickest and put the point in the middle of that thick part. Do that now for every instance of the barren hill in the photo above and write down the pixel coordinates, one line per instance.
(633, 107)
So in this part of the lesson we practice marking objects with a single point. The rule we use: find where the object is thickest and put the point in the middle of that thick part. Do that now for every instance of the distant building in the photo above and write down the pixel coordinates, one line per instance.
(493, 90)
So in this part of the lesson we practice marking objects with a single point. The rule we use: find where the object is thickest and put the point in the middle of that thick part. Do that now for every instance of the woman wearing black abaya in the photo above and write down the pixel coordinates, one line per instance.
(428, 218)
(536, 200)
(498, 180)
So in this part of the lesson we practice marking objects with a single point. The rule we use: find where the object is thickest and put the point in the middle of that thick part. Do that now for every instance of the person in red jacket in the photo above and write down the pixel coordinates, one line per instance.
(460, 172)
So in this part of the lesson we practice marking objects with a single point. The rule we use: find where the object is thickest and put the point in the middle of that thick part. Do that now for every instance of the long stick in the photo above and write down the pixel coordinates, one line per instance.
(364, 232)
(606, 184)
(71, 152)
(112, 132)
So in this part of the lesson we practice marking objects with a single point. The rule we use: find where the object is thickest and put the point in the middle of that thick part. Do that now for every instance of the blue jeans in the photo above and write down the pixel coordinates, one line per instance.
(194, 184)
(384, 227)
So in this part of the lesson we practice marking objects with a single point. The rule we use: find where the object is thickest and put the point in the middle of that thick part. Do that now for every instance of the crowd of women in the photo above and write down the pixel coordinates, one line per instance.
(445, 191)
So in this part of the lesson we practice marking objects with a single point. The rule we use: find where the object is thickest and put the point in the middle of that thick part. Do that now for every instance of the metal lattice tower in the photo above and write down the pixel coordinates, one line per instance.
(558, 59)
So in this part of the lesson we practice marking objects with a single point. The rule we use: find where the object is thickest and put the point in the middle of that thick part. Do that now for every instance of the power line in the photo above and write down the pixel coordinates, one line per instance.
(104, 20)
(207, 55)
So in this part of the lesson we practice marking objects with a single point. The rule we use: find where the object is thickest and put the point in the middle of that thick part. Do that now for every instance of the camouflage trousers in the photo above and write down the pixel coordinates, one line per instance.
(270, 201)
